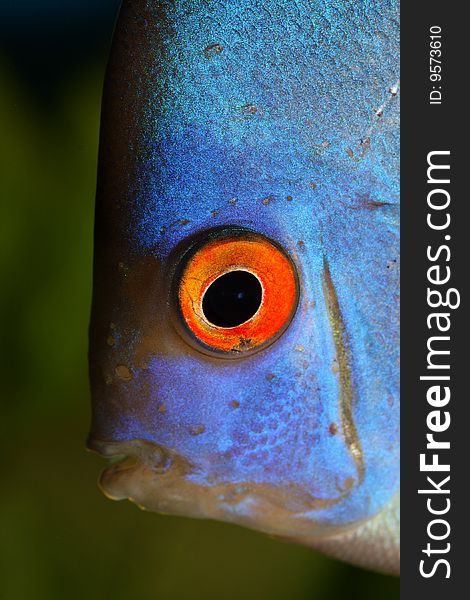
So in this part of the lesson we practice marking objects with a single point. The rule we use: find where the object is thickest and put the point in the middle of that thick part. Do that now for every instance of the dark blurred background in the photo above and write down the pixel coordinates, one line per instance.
(60, 538)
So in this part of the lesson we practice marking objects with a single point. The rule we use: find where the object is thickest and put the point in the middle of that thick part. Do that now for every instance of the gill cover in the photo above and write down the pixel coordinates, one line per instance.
(244, 331)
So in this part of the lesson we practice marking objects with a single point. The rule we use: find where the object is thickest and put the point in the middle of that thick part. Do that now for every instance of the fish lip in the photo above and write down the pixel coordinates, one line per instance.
(127, 453)
(100, 447)
(128, 460)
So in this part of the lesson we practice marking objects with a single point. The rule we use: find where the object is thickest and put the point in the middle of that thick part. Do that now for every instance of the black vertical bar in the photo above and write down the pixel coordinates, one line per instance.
(434, 119)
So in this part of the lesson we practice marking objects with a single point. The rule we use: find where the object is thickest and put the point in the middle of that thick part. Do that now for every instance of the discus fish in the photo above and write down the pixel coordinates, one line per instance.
(244, 330)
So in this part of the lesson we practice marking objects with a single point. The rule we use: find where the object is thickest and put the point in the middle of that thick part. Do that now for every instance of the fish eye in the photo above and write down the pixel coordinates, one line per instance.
(236, 291)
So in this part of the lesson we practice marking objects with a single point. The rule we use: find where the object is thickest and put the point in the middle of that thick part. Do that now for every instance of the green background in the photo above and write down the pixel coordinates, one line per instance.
(60, 538)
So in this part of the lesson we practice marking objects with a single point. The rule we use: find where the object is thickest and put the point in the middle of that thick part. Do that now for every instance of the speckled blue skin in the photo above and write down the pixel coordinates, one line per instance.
(214, 114)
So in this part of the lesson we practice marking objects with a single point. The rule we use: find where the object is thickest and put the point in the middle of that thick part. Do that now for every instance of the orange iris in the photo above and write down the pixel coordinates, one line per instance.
(237, 292)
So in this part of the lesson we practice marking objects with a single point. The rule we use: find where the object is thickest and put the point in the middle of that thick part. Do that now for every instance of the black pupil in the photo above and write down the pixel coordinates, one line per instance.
(232, 299)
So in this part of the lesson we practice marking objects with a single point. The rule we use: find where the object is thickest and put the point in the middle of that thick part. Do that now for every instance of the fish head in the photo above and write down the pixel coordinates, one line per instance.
(244, 332)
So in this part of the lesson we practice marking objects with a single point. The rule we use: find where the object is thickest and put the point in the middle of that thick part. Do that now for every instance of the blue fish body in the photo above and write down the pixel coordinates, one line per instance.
(278, 119)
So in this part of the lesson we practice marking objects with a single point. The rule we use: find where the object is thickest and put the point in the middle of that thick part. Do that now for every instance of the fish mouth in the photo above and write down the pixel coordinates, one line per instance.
(159, 479)
(137, 467)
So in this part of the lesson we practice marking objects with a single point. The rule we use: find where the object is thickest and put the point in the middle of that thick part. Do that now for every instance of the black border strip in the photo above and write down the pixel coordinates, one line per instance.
(429, 128)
